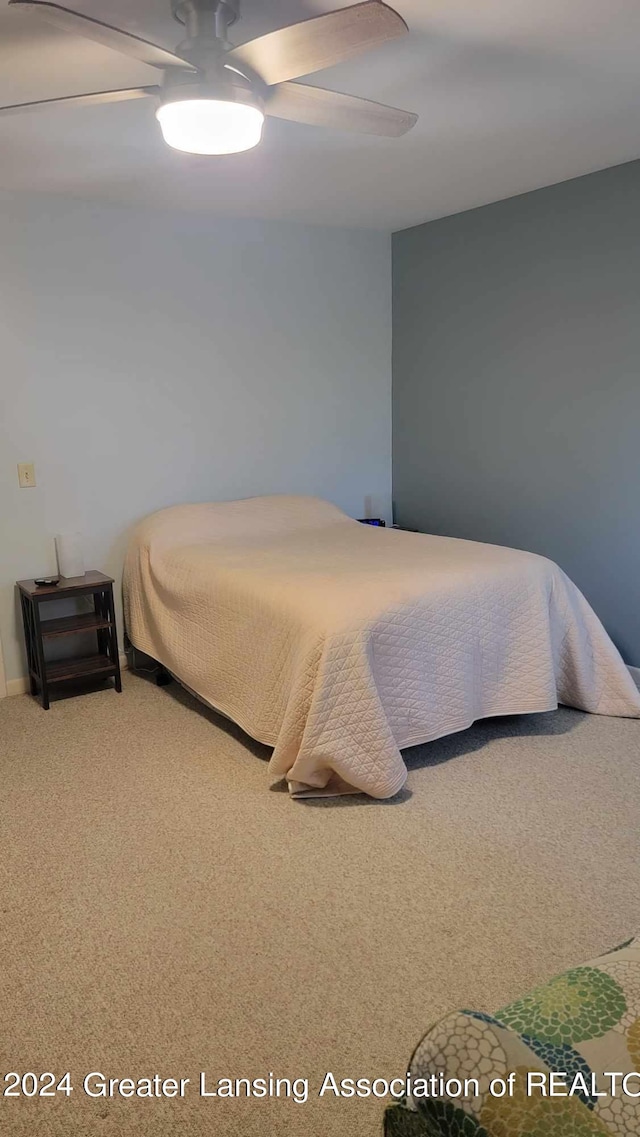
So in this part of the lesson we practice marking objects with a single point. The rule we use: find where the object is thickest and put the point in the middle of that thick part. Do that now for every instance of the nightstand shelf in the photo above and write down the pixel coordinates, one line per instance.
(72, 625)
(101, 620)
(79, 667)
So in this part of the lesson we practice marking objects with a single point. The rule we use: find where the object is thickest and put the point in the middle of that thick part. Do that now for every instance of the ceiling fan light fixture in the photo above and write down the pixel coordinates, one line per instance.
(210, 125)
(214, 96)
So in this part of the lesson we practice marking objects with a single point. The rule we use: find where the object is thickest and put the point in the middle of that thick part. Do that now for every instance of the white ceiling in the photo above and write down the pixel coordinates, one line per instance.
(512, 95)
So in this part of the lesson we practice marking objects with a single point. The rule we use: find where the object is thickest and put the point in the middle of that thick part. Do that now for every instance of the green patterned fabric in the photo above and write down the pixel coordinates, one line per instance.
(582, 1025)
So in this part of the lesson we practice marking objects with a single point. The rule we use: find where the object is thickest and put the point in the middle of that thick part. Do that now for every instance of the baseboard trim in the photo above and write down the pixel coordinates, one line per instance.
(17, 686)
(21, 686)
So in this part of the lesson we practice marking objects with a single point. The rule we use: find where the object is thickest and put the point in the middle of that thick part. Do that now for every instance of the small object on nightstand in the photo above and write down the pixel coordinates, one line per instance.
(101, 620)
(69, 554)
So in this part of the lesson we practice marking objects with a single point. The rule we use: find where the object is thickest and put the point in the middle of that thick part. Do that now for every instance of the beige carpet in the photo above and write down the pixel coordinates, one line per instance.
(165, 910)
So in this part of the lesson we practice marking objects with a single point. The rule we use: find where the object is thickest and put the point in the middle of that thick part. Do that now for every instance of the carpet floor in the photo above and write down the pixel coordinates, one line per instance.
(166, 909)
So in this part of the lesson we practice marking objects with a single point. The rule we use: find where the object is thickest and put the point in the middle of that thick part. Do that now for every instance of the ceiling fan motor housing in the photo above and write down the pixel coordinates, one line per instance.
(206, 22)
(218, 82)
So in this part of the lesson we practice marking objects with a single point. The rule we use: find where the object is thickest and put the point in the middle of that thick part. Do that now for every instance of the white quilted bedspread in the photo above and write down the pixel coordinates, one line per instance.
(339, 644)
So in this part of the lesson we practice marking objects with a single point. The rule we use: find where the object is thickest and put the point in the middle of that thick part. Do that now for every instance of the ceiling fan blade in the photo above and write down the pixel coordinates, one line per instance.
(115, 38)
(322, 41)
(317, 107)
(94, 98)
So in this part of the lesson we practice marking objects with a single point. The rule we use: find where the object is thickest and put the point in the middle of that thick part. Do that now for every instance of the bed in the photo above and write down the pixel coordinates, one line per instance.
(339, 644)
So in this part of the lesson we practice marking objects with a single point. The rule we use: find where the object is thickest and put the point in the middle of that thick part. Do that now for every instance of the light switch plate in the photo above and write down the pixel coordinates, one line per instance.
(26, 475)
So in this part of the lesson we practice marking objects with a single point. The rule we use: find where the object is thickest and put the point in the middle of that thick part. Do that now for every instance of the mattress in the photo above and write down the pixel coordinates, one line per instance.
(339, 644)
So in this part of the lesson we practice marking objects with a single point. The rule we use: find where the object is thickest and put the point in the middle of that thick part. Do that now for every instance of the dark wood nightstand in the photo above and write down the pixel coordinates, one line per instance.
(102, 620)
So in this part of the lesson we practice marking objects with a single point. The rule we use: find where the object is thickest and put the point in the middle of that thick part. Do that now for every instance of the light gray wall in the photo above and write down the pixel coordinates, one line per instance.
(516, 389)
(150, 358)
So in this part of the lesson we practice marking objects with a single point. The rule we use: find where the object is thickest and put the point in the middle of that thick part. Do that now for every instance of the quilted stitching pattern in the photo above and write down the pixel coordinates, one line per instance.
(339, 644)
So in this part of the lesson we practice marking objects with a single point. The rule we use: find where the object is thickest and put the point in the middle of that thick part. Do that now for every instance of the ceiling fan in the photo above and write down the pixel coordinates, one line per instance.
(213, 97)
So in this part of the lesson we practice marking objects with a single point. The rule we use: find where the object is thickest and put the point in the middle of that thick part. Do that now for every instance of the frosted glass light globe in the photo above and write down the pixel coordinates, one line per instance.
(210, 126)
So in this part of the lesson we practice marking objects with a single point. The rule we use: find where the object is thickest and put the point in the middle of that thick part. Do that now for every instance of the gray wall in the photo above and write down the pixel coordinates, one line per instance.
(150, 358)
(516, 401)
